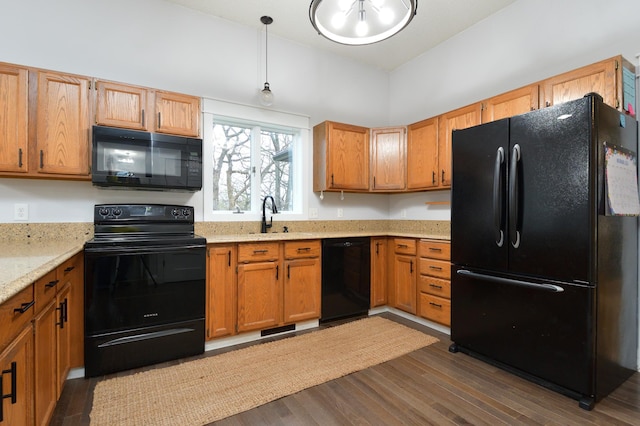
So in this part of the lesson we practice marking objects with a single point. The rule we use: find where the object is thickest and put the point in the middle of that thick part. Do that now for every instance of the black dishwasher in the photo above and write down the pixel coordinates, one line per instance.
(346, 286)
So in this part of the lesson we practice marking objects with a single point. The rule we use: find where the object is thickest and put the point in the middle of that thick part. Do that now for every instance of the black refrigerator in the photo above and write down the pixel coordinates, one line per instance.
(544, 277)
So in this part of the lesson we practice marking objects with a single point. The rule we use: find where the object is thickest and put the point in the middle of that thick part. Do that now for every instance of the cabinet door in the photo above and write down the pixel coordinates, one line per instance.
(454, 120)
(511, 103)
(72, 272)
(62, 124)
(14, 119)
(379, 272)
(221, 285)
(16, 364)
(177, 114)
(258, 295)
(599, 77)
(121, 105)
(301, 297)
(422, 154)
(388, 159)
(404, 283)
(63, 336)
(348, 157)
(46, 387)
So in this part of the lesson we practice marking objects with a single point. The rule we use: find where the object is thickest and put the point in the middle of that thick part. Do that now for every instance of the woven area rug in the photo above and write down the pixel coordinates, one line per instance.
(209, 389)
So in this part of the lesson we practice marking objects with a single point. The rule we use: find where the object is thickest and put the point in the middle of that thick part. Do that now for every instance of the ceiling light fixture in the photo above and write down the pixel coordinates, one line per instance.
(266, 95)
(358, 22)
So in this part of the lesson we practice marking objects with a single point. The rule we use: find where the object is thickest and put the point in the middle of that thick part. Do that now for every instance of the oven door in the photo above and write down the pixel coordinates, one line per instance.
(133, 287)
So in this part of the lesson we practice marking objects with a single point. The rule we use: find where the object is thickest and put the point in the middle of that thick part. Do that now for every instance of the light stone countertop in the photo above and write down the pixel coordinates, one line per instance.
(26, 257)
(23, 263)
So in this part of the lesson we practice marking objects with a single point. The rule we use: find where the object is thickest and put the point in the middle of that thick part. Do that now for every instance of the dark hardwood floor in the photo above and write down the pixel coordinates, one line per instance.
(428, 386)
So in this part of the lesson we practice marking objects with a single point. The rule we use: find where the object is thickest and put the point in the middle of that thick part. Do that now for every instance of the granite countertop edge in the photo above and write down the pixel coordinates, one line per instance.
(24, 263)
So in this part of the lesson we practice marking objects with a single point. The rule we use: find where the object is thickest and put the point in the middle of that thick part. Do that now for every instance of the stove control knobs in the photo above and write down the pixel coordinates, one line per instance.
(117, 212)
(185, 212)
(175, 213)
(103, 212)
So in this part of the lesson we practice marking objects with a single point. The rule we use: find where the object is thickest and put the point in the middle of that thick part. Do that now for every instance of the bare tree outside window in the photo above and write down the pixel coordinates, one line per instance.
(233, 176)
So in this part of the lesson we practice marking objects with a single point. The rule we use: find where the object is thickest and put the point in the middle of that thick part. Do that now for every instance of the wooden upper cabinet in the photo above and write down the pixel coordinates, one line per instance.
(62, 141)
(388, 158)
(512, 103)
(340, 157)
(458, 119)
(121, 105)
(14, 121)
(177, 114)
(604, 78)
(422, 154)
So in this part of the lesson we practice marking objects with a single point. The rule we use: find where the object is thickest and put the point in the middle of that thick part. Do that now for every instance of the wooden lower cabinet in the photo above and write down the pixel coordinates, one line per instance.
(258, 295)
(379, 271)
(16, 365)
(402, 292)
(46, 383)
(434, 284)
(221, 290)
(302, 281)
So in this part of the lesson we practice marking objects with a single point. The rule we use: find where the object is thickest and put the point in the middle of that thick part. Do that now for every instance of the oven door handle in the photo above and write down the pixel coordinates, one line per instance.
(142, 249)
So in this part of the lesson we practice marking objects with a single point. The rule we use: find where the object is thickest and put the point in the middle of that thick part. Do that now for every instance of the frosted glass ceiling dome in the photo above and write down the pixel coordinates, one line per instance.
(359, 22)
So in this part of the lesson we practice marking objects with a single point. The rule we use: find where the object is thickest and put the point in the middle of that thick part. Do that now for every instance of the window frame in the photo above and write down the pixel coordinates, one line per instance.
(269, 119)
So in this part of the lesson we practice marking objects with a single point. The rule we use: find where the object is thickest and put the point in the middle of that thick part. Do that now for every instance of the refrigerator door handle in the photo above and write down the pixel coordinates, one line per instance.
(497, 197)
(513, 197)
(510, 281)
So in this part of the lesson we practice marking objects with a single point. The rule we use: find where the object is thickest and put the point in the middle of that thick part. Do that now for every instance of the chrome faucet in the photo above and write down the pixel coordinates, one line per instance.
(274, 210)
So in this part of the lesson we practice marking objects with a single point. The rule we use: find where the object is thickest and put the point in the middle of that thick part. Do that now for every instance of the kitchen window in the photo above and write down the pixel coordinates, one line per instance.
(249, 153)
(250, 161)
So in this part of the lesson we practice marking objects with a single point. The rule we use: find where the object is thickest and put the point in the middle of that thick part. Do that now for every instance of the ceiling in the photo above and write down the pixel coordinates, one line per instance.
(435, 21)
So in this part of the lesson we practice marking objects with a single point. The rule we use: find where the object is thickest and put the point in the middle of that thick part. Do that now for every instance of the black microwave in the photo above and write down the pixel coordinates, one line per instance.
(142, 160)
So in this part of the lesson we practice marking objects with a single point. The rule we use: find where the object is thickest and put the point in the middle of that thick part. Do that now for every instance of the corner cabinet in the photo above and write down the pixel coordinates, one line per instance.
(422, 155)
(340, 157)
(388, 159)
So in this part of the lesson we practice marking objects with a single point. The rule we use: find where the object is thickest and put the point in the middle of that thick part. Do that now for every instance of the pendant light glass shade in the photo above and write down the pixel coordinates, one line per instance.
(266, 95)
(358, 22)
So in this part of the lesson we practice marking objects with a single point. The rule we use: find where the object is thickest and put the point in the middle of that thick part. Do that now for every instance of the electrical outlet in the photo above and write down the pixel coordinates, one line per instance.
(313, 213)
(21, 212)
(340, 213)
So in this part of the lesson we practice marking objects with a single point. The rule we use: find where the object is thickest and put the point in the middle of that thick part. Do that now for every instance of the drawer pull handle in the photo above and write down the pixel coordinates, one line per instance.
(437, 268)
(51, 283)
(69, 269)
(435, 304)
(304, 249)
(260, 251)
(403, 246)
(435, 249)
(439, 287)
(24, 307)
(14, 387)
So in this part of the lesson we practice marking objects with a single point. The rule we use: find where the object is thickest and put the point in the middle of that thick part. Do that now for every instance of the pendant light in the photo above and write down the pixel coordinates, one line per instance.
(266, 95)
(358, 22)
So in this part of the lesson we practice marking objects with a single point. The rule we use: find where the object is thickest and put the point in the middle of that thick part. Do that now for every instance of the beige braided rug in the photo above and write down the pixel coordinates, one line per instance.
(208, 389)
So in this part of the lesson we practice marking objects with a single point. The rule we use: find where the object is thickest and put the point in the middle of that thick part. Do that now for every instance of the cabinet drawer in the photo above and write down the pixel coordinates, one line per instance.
(45, 289)
(434, 249)
(258, 252)
(15, 313)
(301, 249)
(435, 308)
(70, 269)
(404, 246)
(435, 268)
(435, 286)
